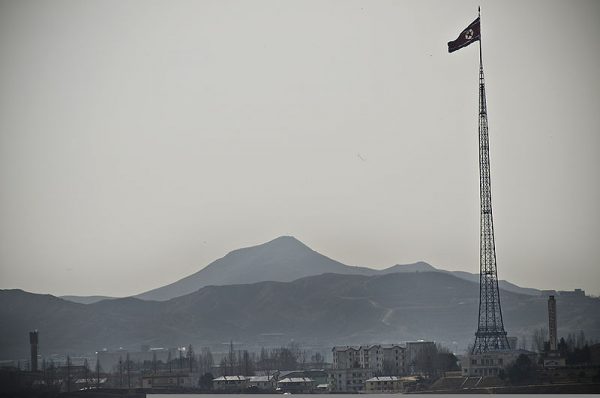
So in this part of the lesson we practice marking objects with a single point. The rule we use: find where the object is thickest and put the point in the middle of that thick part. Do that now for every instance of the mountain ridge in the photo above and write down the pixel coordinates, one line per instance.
(318, 311)
(282, 259)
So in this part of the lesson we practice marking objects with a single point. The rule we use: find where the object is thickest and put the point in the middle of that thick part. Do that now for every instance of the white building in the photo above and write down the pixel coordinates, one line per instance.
(296, 385)
(348, 380)
(492, 362)
(383, 384)
(262, 382)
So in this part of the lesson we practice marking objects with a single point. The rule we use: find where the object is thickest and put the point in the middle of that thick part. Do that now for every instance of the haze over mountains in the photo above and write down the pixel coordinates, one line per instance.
(338, 304)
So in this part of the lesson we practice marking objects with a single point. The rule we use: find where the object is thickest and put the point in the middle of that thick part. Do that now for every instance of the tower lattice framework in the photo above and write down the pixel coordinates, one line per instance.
(490, 335)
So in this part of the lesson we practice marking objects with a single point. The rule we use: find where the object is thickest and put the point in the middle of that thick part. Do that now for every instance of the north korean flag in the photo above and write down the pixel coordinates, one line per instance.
(470, 35)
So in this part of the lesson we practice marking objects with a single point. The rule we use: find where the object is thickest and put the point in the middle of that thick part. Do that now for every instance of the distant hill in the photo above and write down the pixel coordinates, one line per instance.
(316, 311)
(282, 260)
(86, 299)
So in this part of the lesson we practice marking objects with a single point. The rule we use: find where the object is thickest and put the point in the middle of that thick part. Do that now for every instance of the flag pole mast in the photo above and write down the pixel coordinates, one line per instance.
(490, 335)
(480, 57)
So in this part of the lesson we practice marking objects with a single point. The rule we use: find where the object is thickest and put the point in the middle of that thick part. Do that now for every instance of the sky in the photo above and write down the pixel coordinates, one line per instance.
(141, 140)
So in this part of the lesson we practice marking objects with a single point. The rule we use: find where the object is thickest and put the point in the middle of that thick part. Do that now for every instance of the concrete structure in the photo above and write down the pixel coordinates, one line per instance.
(552, 324)
(33, 341)
(418, 353)
(394, 359)
(349, 380)
(353, 365)
(296, 385)
(492, 362)
(381, 358)
(383, 384)
(230, 383)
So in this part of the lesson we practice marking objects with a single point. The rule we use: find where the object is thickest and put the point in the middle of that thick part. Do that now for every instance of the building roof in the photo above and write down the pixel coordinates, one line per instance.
(260, 378)
(384, 378)
(231, 378)
(296, 380)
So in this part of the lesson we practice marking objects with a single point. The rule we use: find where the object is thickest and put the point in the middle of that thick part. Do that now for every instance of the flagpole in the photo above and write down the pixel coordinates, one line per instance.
(480, 57)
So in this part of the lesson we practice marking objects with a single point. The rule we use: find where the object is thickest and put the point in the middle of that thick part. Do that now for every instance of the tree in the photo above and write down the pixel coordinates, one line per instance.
(318, 360)
(445, 362)
(97, 372)
(206, 360)
(538, 338)
(86, 373)
(190, 358)
(521, 371)
(205, 381)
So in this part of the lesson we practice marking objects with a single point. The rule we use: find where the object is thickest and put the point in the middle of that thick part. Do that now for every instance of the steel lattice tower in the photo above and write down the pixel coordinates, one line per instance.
(490, 335)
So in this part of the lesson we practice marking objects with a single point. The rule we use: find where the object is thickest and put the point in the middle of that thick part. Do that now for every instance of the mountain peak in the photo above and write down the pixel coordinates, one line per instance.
(287, 240)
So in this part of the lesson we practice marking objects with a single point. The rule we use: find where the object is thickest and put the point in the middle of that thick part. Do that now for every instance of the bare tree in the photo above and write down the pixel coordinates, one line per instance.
(538, 338)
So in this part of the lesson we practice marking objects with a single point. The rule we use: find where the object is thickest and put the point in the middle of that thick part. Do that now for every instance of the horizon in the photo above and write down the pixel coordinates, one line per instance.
(141, 141)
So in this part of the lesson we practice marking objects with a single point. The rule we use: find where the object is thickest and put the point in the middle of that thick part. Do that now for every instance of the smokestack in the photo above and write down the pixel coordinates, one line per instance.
(552, 323)
(33, 341)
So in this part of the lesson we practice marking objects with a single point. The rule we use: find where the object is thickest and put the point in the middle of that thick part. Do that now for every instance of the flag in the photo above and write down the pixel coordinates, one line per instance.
(470, 35)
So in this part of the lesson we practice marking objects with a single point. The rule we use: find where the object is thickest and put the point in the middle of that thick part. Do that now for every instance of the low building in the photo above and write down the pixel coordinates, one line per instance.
(319, 376)
(553, 362)
(572, 293)
(267, 383)
(492, 362)
(230, 383)
(297, 385)
(383, 384)
(169, 380)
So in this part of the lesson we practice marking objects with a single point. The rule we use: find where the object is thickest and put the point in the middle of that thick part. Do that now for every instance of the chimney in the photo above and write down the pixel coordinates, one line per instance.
(552, 323)
(33, 341)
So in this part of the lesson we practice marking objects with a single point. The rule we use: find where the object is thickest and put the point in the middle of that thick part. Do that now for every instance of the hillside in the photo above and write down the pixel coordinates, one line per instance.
(319, 311)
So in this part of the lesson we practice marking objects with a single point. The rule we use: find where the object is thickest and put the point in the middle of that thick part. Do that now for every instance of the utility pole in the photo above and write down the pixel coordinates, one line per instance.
(68, 374)
(97, 372)
(128, 372)
(121, 371)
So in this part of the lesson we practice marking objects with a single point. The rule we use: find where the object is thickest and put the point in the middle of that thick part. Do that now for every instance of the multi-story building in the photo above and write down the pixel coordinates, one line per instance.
(348, 380)
(419, 356)
(353, 365)
(394, 361)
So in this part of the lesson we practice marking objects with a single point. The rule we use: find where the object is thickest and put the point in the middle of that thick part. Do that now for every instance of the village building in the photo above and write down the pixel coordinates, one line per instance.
(230, 383)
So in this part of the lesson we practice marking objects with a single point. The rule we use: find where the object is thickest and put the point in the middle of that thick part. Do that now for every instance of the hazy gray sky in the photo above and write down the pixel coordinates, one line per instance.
(141, 140)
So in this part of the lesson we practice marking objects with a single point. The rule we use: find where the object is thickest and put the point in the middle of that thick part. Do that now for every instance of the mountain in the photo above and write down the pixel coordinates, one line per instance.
(316, 311)
(86, 299)
(281, 260)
